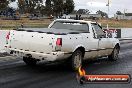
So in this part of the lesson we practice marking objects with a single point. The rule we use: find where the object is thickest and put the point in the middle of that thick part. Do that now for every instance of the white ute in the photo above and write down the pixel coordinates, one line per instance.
(64, 39)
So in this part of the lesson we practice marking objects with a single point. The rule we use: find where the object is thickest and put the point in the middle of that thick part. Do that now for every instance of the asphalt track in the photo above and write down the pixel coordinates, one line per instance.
(15, 74)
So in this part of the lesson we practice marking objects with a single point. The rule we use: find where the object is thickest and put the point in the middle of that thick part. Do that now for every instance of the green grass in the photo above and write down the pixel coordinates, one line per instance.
(11, 24)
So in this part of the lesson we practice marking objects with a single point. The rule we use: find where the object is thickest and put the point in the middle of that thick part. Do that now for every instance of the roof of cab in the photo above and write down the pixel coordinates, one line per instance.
(72, 20)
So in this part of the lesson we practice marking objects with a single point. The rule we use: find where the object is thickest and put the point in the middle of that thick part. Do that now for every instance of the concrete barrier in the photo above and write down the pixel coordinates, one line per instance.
(126, 33)
(3, 34)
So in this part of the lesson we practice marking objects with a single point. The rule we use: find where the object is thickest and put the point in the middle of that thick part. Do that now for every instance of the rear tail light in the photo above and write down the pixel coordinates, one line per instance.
(7, 37)
(59, 42)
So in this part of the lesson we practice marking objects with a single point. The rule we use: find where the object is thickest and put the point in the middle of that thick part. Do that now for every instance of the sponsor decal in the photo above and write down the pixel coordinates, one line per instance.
(113, 33)
(82, 78)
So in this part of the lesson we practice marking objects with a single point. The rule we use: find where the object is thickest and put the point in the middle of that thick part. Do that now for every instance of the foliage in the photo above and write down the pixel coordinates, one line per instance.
(54, 7)
(59, 7)
(119, 13)
(68, 6)
(103, 14)
(3, 4)
(28, 6)
(83, 11)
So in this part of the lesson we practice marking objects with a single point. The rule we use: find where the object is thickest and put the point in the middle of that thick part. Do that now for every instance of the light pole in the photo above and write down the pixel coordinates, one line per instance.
(91, 6)
(64, 3)
(108, 4)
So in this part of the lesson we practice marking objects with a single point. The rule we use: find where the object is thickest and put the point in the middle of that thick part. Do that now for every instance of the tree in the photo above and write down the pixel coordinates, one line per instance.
(3, 4)
(54, 7)
(28, 6)
(68, 6)
(119, 13)
(59, 7)
(83, 11)
(21, 5)
(103, 14)
(41, 9)
(48, 7)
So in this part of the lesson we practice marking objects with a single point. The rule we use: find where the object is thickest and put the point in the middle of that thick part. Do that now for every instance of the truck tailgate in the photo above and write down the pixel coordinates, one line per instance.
(32, 41)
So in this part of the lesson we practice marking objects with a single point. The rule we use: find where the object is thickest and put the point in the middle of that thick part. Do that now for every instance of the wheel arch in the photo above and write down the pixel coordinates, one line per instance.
(117, 45)
(81, 48)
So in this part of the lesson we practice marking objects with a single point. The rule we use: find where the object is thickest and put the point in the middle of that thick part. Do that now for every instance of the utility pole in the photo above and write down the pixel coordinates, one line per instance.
(108, 4)
(124, 13)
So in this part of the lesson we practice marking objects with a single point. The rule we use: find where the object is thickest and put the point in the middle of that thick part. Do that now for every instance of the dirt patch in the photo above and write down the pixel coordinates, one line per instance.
(42, 23)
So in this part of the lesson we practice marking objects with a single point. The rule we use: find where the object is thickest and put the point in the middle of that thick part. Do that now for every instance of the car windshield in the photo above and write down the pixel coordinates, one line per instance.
(77, 26)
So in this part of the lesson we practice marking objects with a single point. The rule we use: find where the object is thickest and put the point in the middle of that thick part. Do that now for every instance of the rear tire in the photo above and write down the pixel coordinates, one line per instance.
(29, 61)
(114, 55)
(76, 60)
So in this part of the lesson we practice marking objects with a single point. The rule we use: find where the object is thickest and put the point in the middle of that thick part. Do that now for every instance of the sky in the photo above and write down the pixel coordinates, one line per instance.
(95, 5)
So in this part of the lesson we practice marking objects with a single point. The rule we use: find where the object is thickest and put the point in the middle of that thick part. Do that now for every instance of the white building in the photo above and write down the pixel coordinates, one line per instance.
(127, 16)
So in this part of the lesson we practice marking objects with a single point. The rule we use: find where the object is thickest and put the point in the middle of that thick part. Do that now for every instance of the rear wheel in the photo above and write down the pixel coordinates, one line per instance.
(29, 61)
(114, 55)
(76, 60)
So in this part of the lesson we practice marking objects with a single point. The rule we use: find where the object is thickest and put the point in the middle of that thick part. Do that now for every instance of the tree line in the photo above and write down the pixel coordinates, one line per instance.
(49, 7)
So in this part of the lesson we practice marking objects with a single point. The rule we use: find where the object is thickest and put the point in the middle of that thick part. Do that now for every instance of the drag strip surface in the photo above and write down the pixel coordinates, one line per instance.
(15, 74)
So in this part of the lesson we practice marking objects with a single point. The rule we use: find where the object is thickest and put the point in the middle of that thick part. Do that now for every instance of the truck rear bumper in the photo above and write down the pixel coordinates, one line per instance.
(53, 56)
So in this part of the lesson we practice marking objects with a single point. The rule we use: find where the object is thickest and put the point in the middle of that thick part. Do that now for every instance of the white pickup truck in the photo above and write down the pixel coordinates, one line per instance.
(64, 39)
